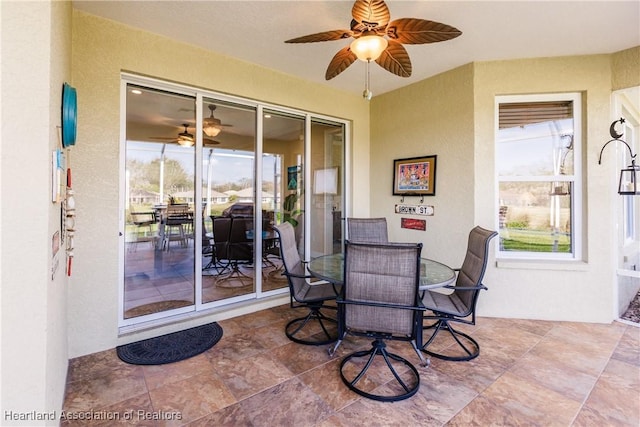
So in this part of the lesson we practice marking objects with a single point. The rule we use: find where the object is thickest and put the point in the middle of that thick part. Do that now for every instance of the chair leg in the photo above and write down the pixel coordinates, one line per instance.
(235, 273)
(378, 348)
(297, 325)
(464, 341)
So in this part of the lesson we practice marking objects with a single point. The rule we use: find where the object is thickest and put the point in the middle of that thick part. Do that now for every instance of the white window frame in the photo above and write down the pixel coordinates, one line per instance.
(576, 181)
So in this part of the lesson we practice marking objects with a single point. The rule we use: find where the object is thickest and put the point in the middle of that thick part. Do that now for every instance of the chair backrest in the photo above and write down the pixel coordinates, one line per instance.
(221, 234)
(474, 265)
(371, 230)
(143, 218)
(240, 247)
(381, 273)
(293, 265)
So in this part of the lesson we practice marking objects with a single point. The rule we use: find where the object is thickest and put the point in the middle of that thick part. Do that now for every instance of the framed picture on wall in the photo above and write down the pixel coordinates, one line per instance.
(292, 177)
(415, 176)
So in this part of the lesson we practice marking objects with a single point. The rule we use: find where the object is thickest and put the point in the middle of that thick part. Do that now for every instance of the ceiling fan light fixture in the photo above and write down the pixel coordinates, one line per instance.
(369, 47)
(211, 127)
(185, 142)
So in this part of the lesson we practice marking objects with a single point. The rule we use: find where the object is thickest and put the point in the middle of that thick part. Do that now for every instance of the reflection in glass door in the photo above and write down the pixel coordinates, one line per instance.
(229, 200)
(282, 176)
(327, 189)
(158, 227)
(206, 179)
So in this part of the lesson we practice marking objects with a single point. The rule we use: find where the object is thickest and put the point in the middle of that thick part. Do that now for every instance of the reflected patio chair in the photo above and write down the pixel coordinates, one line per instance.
(239, 249)
(143, 222)
(178, 225)
(371, 230)
(221, 233)
(457, 306)
(303, 294)
(381, 301)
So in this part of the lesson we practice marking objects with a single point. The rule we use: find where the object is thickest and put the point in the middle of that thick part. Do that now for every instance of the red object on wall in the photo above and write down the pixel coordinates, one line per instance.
(413, 224)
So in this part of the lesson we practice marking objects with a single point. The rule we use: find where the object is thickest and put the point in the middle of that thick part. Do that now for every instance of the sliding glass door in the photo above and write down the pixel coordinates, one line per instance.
(159, 260)
(229, 200)
(206, 180)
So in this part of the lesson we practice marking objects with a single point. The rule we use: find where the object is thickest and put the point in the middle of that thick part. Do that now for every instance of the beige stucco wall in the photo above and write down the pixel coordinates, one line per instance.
(625, 67)
(452, 115)
(431, 117)
(34, 331)
(101, 50)
(579, 291)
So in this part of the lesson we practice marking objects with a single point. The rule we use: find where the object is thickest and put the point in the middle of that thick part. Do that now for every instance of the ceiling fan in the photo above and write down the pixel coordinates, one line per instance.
(186, 139)
(369, 26)
(211, 125)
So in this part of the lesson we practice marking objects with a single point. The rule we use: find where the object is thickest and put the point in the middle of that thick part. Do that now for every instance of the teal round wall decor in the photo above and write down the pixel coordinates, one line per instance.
(69, 115)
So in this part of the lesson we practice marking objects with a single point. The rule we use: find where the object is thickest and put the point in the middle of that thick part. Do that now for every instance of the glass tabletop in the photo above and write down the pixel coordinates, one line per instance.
(432, 273)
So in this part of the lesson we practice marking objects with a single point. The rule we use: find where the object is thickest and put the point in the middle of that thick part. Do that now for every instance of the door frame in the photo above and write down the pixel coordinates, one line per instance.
(256, 298)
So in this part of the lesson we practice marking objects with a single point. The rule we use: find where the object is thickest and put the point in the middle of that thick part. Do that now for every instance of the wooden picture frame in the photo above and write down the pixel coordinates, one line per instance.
(415, 176)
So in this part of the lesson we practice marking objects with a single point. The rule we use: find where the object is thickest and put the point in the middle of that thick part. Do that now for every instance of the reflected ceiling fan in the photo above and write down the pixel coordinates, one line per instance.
(186, 139)
(377, 39)
(212, 126)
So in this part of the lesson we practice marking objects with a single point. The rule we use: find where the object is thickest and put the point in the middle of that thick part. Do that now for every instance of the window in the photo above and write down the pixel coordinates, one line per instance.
(538, 167)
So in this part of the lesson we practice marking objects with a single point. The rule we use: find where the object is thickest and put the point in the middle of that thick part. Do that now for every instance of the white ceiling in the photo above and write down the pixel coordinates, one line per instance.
(255, 31)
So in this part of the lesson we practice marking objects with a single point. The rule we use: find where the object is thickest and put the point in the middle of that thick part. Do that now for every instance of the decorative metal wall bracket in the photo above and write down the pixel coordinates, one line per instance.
(628, 184)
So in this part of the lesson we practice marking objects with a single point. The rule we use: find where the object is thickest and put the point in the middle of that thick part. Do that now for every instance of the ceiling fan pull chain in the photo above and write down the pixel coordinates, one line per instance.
(367, 88)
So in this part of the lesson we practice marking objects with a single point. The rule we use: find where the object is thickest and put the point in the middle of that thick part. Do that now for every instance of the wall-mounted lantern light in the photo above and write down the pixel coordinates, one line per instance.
(629, 176)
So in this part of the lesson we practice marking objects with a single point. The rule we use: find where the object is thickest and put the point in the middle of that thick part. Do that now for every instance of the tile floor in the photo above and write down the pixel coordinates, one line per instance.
(532, 373)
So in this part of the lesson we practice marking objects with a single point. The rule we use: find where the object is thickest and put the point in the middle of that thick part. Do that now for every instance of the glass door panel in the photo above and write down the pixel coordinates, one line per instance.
(159, 250)
(282, 189)
(228, 189)
(327, 171)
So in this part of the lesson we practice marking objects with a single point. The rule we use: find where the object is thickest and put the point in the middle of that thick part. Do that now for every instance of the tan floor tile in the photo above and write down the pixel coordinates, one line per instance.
(528, 373)
(616, 395)
(582, 356)
(477, 373)
(272, 335)
(604, 336)
(192, 398)
(443, 395)
(290, 403)
(511, 340)
(159, 375)
(236, 347)
(231, 416)
(628, 349)
(557, 376)
(93, 365)
(136, 411)
(409, 412)
(300, 358)
(484, 412)
(231, 327)
(255, 320)
(114, 386)
(325, 381)
(528, 401)
(252, 375)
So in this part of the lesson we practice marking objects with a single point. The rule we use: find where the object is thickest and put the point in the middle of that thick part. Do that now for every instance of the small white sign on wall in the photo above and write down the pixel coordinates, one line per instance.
(424, 210)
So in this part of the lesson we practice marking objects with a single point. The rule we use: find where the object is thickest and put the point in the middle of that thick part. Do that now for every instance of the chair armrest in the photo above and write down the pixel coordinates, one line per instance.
(465, 288)
(299, 276)
(380, 304)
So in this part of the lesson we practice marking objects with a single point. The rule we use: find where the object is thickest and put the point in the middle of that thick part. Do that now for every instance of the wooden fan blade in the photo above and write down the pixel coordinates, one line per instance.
(370, 14)
(419, 31)
(340, 62)
(322, 37)
(395, 59)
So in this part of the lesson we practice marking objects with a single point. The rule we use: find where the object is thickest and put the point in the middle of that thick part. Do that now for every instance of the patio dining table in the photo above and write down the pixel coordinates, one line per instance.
(433, 274)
